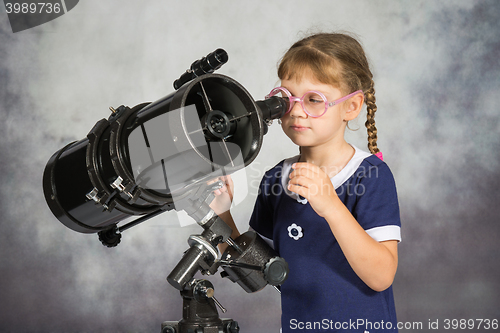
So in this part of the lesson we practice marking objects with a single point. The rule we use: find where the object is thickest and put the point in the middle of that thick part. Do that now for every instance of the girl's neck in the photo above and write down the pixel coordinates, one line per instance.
(329, 159)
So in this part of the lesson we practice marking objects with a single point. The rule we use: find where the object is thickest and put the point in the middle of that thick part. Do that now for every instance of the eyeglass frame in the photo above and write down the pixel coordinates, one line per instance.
(294, 99)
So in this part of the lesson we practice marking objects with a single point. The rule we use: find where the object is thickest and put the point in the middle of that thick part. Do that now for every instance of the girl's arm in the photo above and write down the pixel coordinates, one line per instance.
(374, 262)
(228, 218)
(221, 205)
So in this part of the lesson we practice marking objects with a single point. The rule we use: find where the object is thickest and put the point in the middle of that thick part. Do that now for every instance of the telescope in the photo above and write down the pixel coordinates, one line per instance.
(167, 155)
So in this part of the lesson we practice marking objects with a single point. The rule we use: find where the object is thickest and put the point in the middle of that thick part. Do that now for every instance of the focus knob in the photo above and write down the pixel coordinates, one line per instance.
(276, 271)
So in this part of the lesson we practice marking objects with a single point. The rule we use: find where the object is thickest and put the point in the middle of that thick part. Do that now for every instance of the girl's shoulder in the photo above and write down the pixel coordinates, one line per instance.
(373, 167)
(363, 166)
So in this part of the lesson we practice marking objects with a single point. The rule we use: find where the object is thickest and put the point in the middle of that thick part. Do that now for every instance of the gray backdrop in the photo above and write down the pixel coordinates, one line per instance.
(436, 67)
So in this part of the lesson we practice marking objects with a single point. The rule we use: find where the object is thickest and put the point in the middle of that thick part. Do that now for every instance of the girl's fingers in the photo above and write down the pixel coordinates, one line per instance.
(305, 165)
(302, 173)
(306, 169)
(228, 184)
(309, 181)
(300, 181)
(300, 190)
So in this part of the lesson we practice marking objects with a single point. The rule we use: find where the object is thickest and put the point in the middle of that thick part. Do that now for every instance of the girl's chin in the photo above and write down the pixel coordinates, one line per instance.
(299, 141)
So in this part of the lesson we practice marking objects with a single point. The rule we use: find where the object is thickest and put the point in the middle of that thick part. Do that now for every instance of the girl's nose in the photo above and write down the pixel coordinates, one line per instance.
(297, 110)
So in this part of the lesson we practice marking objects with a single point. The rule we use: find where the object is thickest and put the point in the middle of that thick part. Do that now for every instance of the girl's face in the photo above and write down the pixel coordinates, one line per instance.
(306, 131)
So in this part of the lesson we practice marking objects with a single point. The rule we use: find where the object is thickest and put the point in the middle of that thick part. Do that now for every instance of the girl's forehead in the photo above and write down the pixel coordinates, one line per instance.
(301, 73)
(307, 82)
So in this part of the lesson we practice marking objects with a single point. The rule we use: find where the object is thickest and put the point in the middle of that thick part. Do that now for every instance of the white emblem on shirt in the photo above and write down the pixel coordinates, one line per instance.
(295, 232)
(301, 200)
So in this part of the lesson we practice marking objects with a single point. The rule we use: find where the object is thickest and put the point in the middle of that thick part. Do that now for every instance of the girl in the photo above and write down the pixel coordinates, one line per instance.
(332, 211)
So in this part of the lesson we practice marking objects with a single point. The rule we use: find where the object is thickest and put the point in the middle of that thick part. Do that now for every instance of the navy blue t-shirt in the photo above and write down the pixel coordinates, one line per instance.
(322, 292)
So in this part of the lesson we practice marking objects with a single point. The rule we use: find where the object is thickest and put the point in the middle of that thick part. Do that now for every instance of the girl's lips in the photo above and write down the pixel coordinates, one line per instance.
(299, 128)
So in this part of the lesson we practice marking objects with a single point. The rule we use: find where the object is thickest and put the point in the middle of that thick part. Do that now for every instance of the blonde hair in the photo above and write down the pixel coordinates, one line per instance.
(336, 59)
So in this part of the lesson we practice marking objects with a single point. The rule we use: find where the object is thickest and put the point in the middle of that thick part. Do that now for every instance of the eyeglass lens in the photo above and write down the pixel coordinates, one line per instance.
(313, 103)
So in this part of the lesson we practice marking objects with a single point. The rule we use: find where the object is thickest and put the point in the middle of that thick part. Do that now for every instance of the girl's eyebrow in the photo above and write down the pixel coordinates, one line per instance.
(291, 92)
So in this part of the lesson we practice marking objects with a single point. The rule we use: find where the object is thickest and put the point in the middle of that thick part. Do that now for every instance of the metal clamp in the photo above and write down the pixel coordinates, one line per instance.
(118, 184)
(94, 195)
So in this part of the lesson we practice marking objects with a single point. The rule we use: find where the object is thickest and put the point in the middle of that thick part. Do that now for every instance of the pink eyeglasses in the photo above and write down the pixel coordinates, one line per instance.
(314, 103)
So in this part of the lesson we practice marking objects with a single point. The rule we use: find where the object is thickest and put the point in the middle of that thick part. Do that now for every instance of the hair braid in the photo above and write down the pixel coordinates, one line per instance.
(371, 108)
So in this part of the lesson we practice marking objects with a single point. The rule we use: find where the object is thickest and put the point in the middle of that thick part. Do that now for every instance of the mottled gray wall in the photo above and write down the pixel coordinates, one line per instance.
(437, 70)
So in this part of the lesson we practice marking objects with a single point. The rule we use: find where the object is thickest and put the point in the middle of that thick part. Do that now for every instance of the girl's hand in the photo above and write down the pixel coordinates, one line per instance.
(312, 183)
(223, 196)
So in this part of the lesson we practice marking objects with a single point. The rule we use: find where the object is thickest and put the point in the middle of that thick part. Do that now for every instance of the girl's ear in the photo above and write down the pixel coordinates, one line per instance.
(355, 103)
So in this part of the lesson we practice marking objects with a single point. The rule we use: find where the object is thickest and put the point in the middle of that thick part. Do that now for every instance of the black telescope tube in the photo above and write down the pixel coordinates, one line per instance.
(94, 184)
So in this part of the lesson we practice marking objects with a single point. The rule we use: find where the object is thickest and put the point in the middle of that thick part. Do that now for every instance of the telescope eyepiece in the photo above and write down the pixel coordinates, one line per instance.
(210, 63)
(206, 65)
(273, 108)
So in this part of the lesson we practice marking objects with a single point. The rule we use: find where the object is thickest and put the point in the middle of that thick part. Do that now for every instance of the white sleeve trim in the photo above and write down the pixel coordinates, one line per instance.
(269, 241)
(385, 233)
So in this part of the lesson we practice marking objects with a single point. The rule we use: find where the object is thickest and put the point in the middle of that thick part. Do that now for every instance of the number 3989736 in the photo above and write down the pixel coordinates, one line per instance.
(33, 8)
